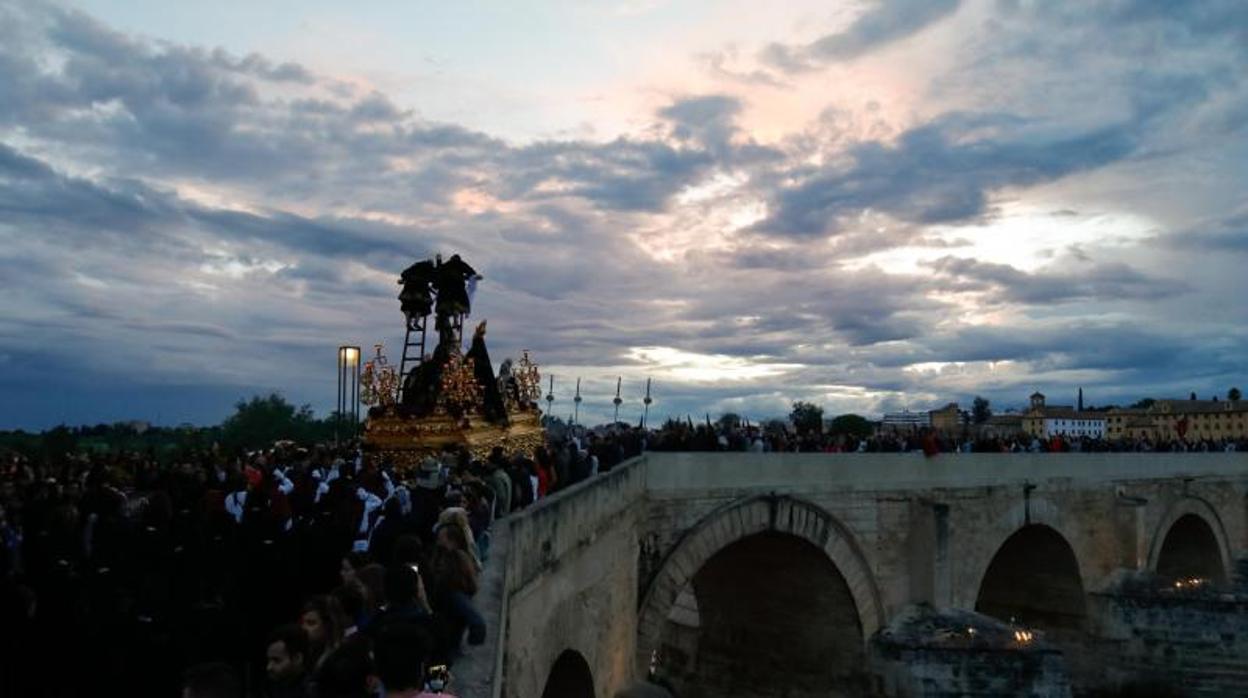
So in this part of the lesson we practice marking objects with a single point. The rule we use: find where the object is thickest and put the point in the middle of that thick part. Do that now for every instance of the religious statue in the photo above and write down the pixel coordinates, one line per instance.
(492, 407)
(508, 385)
(450, 397)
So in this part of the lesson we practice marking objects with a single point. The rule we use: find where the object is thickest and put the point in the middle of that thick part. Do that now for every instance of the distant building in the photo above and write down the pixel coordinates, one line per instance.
(1191, 420)
(1047, 421)
(1002, 426)
(946, 420)
(905, 421)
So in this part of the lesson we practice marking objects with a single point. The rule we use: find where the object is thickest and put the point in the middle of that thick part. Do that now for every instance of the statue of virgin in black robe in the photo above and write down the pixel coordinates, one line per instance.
(491, 398)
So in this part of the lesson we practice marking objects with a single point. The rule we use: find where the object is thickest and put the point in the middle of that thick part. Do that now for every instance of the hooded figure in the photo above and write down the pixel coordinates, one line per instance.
(450, 280)
(416, 298)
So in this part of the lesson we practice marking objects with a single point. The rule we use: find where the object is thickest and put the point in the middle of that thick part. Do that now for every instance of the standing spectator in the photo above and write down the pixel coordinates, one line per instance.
(286, 663)
(455, 583)
(401, 651)
(347, 672)
(500, 483)
(323, 622)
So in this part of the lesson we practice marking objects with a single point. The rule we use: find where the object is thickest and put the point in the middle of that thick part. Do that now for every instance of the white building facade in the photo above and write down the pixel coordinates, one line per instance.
(906, 421)
(1075, 426)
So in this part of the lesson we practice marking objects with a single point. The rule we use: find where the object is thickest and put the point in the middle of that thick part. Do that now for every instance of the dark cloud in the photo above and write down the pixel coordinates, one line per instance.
(1226, 235)
(707, 120)
(940, 172)
(1189, 24)
(1112, 281)
(888, 21)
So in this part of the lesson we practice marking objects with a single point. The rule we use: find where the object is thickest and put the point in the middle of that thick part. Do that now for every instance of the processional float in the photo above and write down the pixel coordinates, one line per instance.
(447, 398)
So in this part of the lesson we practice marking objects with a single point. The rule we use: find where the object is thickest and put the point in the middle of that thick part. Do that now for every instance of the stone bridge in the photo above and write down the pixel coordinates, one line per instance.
(796, 575)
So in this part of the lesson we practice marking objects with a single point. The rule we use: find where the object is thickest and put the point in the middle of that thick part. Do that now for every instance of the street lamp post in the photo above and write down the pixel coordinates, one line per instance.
(348, 389)
(576, 416)
(550, 399)
(617, 401)
(646, 412)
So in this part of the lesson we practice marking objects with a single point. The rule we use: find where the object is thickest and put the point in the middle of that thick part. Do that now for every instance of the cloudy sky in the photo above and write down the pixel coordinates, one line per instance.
(871, 205)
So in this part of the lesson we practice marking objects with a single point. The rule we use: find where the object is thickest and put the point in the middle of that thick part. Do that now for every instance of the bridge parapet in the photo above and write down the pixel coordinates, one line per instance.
(571, 583)
(677, 474)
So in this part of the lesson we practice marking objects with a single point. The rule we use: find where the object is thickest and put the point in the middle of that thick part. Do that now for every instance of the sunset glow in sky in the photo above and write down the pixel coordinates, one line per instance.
(870, 205)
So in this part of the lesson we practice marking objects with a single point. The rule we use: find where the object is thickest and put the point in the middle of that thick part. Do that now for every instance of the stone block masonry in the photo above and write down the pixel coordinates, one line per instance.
(622, 566)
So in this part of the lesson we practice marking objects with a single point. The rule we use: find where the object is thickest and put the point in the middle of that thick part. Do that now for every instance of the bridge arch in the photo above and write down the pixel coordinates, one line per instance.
(569, 677)
(983, 546)
(1190, 541)
(792, 529)
(1034, 578)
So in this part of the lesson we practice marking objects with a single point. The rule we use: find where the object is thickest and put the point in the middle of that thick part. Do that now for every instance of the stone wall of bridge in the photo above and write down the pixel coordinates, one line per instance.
(602, 568)
(571, 584)
(930, 527)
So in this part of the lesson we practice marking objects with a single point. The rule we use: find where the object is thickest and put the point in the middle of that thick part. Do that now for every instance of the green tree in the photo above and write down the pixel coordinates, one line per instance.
(775, 426)
(1143, 404)
(59, 442)
(728, 421)
(851, 425)
(1234, 395)
(807, 418)
(262, 420)
(981, 409)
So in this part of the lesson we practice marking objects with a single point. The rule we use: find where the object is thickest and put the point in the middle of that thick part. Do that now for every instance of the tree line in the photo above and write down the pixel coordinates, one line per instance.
(256, 423)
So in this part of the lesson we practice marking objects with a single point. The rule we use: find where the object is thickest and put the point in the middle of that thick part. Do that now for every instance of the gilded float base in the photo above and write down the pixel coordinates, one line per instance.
(405, 441)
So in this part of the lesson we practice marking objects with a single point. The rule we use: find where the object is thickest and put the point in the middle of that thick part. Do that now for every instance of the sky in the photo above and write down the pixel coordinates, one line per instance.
(868, 205)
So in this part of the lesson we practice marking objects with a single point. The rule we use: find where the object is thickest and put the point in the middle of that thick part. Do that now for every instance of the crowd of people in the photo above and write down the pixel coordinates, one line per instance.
(689, 436)
(309, 572)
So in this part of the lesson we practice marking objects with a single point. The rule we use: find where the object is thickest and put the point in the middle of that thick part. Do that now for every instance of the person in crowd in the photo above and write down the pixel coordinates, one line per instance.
(401, 651)
(352, 562)
(211, 680)
(286, 663)
(456, 515)
(324, 623)
(390, 525)
(455, 582)
(406, 600)
(348, 671)
(500, 483)
(350, 598)
(372, 578)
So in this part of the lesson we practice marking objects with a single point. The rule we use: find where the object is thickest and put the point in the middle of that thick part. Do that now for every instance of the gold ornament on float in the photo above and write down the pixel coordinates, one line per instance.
(379, 382)
(460, 392)
(528, 380)
(449, 399)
